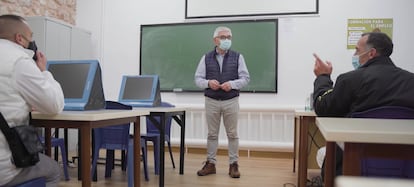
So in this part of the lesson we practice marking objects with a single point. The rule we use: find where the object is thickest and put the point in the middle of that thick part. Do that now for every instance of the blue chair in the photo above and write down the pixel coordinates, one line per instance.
(153, 135)
(110, 138)
(37, 182)
(387, 167)
(113, 138)
(59, 142)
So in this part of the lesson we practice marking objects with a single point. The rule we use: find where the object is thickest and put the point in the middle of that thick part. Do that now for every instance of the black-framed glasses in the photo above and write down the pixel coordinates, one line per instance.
(223, 37)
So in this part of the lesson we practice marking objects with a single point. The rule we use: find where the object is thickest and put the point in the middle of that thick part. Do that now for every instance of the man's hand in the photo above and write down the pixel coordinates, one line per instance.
(226, 86)
(214, 84)
(41, 61)
(321, 67)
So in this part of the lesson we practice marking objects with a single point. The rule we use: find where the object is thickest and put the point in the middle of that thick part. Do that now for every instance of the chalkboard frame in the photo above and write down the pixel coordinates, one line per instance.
(274, 67)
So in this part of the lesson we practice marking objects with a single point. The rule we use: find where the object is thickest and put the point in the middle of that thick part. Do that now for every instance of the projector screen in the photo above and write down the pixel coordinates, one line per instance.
(227, 8)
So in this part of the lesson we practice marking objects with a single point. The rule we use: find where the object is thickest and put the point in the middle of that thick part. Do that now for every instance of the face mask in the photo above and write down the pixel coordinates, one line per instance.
(32, 46)
(225, 44)
(355, 60)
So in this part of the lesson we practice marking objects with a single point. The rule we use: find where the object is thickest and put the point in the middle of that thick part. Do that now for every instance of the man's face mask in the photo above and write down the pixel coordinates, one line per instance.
(355, 59)
(32, 46)
(225, 44)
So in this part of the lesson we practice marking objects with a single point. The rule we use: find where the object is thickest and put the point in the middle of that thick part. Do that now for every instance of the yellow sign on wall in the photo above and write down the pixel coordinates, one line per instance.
(358, 26)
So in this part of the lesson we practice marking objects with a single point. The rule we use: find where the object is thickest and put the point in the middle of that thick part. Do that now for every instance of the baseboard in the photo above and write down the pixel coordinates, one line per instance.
(245, 153)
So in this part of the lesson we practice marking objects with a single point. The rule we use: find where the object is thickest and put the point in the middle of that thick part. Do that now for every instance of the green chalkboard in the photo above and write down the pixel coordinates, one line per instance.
(173, 52)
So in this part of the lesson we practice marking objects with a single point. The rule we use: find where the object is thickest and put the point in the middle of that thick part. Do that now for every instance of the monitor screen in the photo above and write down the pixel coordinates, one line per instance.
(132, 88)
(73, 86)
(81, 83)
(141, 90)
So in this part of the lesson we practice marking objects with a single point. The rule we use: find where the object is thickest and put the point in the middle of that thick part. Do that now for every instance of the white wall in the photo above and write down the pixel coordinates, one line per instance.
(115, 32)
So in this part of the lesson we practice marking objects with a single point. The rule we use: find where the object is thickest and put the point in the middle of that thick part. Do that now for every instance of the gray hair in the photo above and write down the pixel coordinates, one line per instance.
(220, 29)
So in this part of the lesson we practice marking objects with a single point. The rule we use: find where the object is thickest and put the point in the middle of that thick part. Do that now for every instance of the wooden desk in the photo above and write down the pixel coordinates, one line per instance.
(345, 181)
(163, 113)
(303, 119)
(85, 121)
(363, 137)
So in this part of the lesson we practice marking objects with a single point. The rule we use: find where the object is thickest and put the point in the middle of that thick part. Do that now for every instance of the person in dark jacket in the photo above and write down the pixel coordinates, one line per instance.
(375, 82)
(222, 73)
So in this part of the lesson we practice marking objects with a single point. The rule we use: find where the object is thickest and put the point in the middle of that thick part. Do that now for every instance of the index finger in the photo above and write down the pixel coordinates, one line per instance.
(316, 56)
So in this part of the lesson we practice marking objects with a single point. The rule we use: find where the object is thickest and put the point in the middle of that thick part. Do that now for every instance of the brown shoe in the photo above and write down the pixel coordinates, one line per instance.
(234, 170)
(208, 168)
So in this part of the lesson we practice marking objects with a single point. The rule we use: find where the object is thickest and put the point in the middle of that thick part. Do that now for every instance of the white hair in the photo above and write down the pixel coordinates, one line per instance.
(220, 29)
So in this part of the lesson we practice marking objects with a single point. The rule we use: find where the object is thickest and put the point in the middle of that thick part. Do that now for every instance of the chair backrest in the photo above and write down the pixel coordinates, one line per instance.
(113, 137)
(152, 129)
(386, 112)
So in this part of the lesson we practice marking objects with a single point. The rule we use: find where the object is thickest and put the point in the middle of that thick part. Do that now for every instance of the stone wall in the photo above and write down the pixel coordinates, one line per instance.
(64, 10)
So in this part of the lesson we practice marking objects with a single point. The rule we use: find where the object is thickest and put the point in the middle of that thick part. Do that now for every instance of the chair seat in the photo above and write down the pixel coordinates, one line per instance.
(38, 182)
(383, 168)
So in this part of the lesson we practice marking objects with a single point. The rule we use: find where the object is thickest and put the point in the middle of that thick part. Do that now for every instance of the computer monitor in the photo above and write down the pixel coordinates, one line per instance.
(140, 91)
(81, 82)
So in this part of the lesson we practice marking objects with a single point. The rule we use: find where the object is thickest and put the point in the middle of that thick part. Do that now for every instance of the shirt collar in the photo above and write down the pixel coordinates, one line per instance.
(27, 51)
(217, 53)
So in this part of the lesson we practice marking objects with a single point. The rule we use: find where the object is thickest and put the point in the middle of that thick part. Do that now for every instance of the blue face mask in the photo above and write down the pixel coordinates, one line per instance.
(355, 59)
(225, 44)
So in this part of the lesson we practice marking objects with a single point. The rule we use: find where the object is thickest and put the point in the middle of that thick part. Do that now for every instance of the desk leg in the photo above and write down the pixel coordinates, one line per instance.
(182, 143)
(162, 149)
(330, 164)
(79, 154)
(294, 143)
(137, 149)
(65, 135)
(86, 155)
(48, 143)
(352, 159)
(303, 149)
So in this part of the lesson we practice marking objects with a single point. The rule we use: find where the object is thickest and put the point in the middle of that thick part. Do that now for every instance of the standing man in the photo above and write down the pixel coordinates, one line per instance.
(222, 73)
(25, 85)
(375, 82)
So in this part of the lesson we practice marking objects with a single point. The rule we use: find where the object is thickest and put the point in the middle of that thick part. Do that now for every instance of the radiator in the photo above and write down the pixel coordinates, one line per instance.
(260, 129)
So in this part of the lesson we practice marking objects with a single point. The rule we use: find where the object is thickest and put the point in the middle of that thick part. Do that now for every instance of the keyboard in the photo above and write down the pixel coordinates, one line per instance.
(139, 104)
(74, 106)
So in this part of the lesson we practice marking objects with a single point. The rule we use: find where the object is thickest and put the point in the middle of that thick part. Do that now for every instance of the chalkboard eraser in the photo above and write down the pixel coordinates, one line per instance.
(177, 90)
